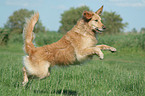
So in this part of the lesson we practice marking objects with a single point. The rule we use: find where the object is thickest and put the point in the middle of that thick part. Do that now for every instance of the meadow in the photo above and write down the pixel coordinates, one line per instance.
(118, 74)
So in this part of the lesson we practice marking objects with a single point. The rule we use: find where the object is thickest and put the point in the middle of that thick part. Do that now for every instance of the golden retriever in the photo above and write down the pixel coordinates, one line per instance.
(77, 45)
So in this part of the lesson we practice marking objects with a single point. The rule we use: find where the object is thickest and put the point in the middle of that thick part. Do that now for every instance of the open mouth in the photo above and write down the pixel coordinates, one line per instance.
(98, 30)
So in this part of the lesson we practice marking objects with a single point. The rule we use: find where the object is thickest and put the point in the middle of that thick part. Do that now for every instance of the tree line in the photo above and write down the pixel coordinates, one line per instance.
(113, 22)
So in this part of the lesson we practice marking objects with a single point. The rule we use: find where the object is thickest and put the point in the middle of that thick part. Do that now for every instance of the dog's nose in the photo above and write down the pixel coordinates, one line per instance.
(104, 27)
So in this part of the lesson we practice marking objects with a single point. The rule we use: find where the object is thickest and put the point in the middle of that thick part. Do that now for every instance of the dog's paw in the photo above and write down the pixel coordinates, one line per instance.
(112, 49)
(24, 83)
(101, 55)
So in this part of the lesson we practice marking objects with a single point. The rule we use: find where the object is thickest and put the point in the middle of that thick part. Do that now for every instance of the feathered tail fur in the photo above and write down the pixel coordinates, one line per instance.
(28, 33)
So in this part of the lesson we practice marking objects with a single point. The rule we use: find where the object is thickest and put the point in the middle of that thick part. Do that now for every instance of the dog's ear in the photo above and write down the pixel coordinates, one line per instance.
(99, 11)
(87, 15)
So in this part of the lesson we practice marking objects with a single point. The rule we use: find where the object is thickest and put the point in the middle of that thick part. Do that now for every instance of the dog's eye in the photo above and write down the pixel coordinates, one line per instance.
(96, 20)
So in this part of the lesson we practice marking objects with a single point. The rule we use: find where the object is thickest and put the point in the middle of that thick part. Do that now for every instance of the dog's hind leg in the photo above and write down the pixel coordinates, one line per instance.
(44, 69)
(25, 78)
(105, 47)
(49, 70)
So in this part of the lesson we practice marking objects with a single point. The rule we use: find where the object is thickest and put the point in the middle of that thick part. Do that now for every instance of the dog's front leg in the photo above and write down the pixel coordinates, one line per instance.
(105, 47)
(91, 51)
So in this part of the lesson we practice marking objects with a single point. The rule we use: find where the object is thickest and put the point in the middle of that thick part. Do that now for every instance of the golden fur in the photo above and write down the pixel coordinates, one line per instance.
(77, 45)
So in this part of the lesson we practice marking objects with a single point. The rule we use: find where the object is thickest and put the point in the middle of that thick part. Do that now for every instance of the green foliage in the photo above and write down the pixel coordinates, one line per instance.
(40, 38)
(122, 41)
(4, 36)
(16, 39)
(17, 20)
(142, 30)
(134, 30)
(47, 38)
(141, 40)
(113, 22)
(70, 17)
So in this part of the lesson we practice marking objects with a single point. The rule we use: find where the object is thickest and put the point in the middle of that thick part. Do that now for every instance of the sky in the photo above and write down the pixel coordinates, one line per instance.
(132, 11)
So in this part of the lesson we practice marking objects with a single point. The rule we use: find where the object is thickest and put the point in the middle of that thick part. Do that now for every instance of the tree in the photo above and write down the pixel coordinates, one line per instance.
(142, 30)
(4, 36)
(17, 20)
(134, 30)
(69, 18)
(113, 22)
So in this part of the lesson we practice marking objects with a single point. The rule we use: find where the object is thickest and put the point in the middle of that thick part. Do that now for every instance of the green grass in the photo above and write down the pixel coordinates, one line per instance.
(119, 74)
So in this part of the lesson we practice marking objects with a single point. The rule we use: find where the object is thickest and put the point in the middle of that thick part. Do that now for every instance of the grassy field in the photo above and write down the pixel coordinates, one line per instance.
(119, 74)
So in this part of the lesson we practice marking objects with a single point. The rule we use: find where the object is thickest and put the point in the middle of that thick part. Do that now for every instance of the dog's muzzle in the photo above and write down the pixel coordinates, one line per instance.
(100, 30)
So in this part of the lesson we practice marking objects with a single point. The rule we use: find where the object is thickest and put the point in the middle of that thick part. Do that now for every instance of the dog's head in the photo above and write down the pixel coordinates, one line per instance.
(94, 20)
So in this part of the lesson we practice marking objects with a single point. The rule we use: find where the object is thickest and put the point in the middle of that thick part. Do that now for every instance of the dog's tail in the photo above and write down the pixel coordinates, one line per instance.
(28, 33)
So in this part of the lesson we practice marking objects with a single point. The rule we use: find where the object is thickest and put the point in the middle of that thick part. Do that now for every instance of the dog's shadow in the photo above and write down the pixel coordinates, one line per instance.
(67, 92)
(47, 91)
(62, 92)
